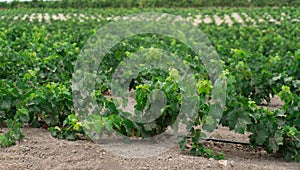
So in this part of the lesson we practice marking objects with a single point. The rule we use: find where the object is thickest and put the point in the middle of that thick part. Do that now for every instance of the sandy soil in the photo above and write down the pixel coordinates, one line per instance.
(41, 151)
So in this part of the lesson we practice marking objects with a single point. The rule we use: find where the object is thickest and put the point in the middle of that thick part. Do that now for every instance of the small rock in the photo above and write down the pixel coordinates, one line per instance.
(208, 165)
(211, 159)
(211, 143)
(86, 147)
(231, 163)
(74, 151)
(219, 145)
(223, 162)
(42, 155)
(25, 149)
(188, 146)
(263, 152)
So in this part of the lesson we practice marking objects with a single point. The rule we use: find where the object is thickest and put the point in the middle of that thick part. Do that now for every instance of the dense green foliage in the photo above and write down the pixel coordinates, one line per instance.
(261, 59)
(147, 3)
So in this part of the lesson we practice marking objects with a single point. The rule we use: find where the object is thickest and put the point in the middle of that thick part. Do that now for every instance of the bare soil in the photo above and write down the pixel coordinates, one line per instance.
(39, 150)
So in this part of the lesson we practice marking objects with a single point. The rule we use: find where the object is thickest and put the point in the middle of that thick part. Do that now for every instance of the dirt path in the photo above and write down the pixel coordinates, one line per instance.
(41, 151)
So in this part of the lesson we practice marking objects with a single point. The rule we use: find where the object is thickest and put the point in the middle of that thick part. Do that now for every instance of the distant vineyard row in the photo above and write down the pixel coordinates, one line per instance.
(229, 19)
(147, 3)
